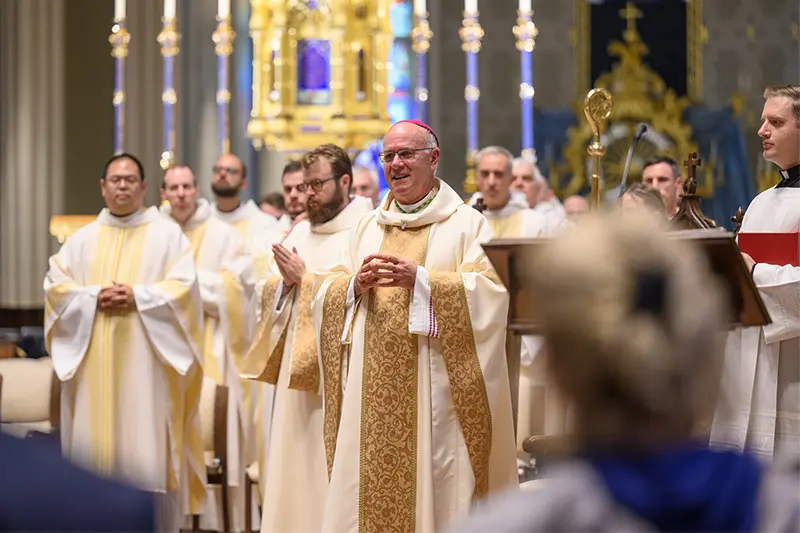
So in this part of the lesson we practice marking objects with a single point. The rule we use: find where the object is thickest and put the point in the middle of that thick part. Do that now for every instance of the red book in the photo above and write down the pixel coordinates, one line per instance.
(780, 249)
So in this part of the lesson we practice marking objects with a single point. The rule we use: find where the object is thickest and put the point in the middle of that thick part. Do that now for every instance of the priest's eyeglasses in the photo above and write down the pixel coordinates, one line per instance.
(405, 154)
(315, 185)
(116, 180)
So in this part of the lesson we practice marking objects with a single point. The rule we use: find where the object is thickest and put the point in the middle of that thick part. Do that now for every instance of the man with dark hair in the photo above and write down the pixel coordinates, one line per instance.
(294, 196)
(662, 173)
(258, 229)
(295, 484)
(122, 322)
(273, 204)
(761, 377)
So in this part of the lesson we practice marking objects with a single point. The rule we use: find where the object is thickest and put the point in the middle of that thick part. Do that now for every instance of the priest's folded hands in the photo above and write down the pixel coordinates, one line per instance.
(118, 297)
(379, 270)
(290, 264)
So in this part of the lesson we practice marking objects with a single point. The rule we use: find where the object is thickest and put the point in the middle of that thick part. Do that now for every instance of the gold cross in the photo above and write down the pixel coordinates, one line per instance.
(630, 14)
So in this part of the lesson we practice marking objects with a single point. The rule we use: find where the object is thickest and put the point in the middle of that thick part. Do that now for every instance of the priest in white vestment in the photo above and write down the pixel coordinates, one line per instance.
(123, 324)
(284, 353)
(416, 402)
(528, 179)
(760, 403)
(225, 279)
(258, 229)
(539, 412)
(259, 232)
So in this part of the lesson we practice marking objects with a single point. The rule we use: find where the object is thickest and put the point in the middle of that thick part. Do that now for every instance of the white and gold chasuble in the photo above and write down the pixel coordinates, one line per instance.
(417, 409)
(284, 354)
(540, 411)
(225, 278)
(132, 380)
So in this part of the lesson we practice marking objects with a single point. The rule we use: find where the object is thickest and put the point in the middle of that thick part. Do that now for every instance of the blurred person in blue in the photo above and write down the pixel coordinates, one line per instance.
(42, 491)
(634, 329)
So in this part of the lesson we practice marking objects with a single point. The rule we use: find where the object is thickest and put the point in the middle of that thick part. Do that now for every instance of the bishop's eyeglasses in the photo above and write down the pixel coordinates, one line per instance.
(404, 154)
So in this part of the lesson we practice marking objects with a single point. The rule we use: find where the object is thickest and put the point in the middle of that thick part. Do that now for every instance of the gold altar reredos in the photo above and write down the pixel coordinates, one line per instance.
(640, 95)
(354, 111)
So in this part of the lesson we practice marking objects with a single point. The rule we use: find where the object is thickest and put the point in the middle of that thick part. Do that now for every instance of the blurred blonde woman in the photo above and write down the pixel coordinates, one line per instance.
(643, 197)
(633, 325)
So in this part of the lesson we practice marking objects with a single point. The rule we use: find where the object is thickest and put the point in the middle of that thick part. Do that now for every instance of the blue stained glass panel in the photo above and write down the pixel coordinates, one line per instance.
(400, 18)
(313, 72)
(399, 75)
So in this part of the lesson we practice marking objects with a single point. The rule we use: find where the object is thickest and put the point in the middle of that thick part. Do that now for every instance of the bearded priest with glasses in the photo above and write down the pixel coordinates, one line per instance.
(284, 353)
(411, 335)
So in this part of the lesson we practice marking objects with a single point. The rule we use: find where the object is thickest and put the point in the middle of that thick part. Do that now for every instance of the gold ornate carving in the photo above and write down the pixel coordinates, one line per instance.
(471, 34)
(640, 95)
(354, 109)
(387, 496)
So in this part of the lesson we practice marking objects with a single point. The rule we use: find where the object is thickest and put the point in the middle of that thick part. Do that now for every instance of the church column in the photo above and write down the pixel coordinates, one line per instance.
(32, 139)
(144, 84)
(197, 144)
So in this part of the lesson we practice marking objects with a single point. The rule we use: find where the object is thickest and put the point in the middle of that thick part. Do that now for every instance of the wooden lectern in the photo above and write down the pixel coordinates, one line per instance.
(512, 259)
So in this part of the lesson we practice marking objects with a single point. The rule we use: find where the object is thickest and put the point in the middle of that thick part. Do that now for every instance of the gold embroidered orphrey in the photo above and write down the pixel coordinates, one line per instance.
(387, 491)
(304, 371)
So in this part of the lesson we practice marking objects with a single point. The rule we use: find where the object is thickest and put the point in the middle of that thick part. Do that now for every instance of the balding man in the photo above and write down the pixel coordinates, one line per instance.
(416, 398)
(365, 184)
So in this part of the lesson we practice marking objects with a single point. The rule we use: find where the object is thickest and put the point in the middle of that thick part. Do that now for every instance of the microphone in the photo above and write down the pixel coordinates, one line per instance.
(640, 131)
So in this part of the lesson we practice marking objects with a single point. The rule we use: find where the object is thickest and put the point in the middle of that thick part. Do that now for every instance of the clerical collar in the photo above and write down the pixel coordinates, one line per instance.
(419, 206)
(790, 178)
(127, 217)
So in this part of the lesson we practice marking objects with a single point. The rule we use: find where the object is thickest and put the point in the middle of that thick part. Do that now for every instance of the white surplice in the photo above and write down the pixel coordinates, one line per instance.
(553, 211)
(539, 411)
(132, 380)
(259, 231)
(417, 410)
(760, 405)
(225, 277)
(284, 353)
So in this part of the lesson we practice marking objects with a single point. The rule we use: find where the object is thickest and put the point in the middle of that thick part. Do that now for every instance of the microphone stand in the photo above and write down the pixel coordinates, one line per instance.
(640, 131)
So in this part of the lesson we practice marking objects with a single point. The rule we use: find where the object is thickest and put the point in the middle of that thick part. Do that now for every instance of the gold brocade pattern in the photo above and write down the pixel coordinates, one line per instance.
(254, 364)
(464, 372)
(506, 227)
(304, 372)
(330, 344)
(388, 460)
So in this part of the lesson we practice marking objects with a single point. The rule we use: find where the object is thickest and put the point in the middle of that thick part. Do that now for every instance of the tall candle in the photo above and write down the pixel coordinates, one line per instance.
(471, 6)
(224, 9)
(419, 7)
(119, 9)
(524, 5)
(169, 9)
